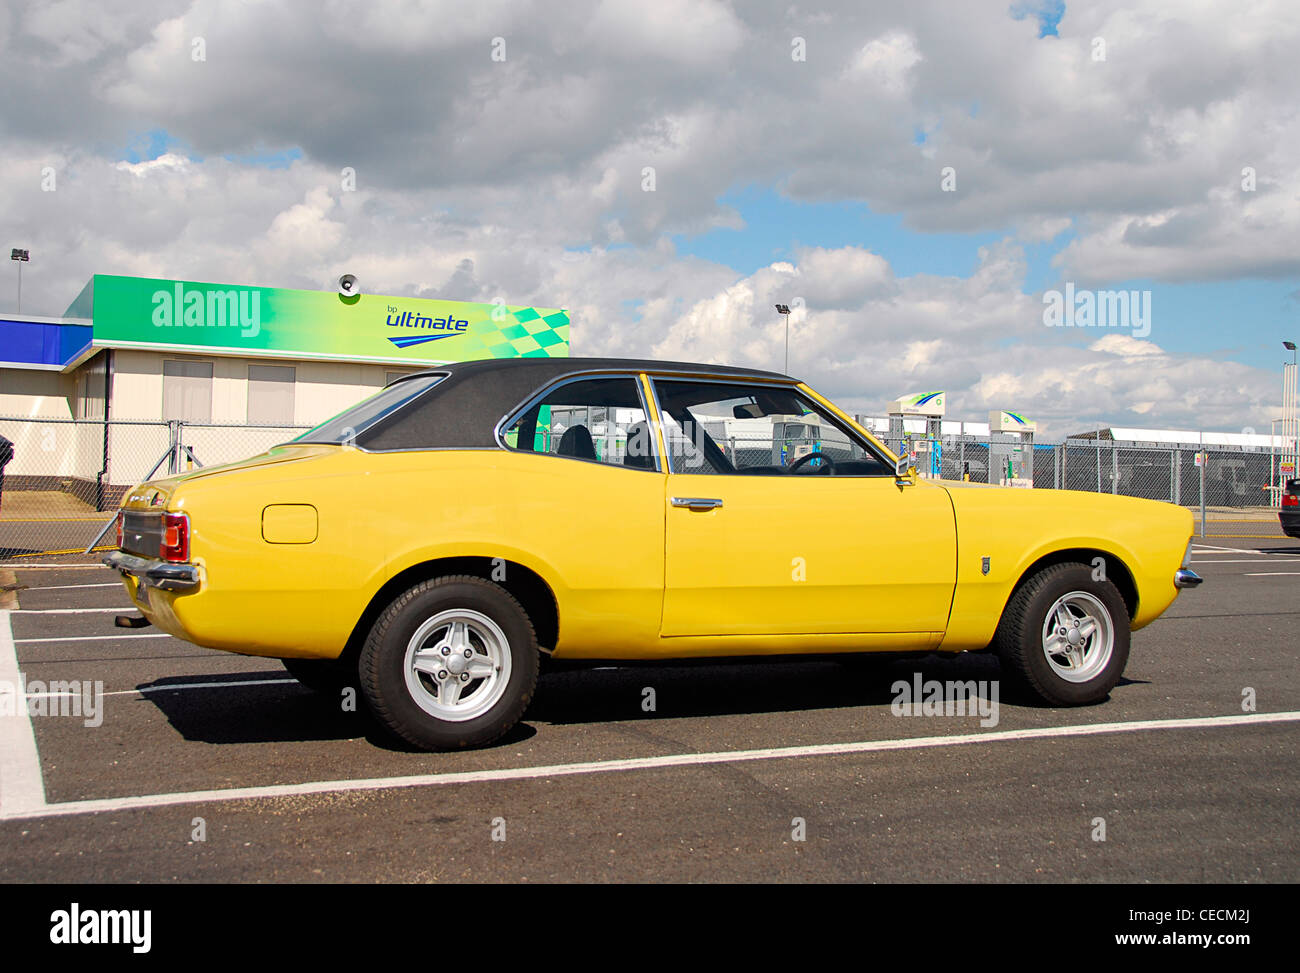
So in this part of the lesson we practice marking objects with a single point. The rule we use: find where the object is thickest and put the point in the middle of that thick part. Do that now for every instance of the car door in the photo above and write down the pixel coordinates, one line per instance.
(590, 496)
(766, 535)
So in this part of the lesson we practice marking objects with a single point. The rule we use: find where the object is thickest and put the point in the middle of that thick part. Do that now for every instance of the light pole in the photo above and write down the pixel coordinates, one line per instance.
(1290, 425)
(784, 309)
(22, 256)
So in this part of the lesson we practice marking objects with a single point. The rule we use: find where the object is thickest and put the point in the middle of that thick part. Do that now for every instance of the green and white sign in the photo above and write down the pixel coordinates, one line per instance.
(225, 318)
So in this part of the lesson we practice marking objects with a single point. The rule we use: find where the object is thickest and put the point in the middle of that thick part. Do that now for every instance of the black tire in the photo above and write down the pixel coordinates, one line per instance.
(328, 676)
(1019, 640)
(383, 676)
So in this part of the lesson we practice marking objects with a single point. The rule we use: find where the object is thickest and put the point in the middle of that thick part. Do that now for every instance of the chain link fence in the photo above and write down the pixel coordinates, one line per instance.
(67, 477)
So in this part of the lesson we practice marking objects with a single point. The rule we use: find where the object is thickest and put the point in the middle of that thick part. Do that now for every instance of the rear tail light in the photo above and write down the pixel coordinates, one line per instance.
(175, 545)
(120, 516)
(1290, 500)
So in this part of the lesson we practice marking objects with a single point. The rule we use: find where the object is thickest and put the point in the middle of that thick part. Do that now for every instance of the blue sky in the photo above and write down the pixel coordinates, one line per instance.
(1244, 320)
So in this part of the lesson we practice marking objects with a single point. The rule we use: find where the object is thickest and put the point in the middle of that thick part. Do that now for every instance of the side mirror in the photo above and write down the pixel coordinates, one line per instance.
(901, 467)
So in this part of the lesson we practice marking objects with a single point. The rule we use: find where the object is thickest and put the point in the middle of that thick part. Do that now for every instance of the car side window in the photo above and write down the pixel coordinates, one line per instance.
(599, 420)
(758, 430)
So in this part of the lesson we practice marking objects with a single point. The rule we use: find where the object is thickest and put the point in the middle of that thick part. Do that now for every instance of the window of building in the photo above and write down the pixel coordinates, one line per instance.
(90, 389)
(270, 395)
(187, 390)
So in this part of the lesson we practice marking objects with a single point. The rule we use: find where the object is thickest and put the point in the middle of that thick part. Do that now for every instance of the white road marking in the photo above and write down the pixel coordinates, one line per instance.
(201, 685)
(65, 587)
(22, 788)
(1272, 574)
(89, 638)
(1242, 560)
(96, 806)
(21, 565)
(69, 611)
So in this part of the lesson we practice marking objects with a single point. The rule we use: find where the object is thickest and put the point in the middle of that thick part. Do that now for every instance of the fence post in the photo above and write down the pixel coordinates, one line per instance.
(1205, 461)
(174, 433)
(1114, 468)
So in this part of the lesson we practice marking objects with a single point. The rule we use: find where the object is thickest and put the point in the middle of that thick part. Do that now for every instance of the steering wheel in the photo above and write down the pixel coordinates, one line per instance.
(830, 463)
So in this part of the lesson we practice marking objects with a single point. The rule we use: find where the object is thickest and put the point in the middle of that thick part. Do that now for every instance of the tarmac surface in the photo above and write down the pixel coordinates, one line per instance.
(204, 766)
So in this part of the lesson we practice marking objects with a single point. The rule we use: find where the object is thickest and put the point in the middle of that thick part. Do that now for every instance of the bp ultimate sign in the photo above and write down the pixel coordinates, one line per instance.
(141, 312)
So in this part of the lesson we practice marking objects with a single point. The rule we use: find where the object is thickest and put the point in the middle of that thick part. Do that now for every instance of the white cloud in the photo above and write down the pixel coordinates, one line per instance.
(523, 178)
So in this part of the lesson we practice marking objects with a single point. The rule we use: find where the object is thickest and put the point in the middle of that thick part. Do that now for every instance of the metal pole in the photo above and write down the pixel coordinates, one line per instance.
(1205, 461)
(786, 370)
(20, 287)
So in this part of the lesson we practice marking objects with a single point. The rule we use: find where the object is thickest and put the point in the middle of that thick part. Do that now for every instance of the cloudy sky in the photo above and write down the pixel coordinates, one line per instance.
(910, 178)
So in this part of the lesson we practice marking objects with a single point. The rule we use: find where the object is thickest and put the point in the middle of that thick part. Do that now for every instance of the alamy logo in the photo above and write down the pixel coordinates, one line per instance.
(238, 307)
(1098, 309)
(951, 698)
(58, 697)
(73, 926)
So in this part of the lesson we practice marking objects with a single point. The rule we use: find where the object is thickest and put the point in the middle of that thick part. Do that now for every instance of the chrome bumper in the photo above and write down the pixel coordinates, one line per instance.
(1186, 578)
(155, 573)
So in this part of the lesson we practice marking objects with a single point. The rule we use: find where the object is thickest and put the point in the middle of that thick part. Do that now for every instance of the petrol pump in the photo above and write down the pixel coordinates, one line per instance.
(927, 445)
(1011, 449)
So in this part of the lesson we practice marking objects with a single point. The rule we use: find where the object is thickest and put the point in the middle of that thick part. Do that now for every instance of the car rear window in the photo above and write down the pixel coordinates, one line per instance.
(347, 425)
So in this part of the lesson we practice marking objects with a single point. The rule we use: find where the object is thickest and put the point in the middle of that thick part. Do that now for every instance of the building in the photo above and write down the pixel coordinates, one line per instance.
(97, 396)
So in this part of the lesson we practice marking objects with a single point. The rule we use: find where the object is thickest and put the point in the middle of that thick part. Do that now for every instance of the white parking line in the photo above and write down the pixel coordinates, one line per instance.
(90, 638)
(1272, 574)
(19, 564)
(22, 788)
(67, 611)
(96, 806)
(1240, 560)
(66, 587)
(200, 685)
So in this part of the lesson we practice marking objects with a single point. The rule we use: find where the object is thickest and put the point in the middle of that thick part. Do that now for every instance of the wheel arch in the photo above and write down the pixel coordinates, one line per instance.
(529, 588)
(1117, 572)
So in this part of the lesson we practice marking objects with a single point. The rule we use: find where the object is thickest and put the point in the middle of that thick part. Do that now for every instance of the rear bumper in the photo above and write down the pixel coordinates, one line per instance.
(1184, 578)
(154, 572)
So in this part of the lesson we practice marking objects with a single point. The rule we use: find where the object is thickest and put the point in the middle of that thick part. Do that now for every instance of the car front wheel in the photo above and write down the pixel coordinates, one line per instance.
(450, 664)
(1064, 636)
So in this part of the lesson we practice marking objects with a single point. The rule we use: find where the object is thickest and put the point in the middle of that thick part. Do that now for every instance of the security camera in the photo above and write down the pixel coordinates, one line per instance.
(348, 286)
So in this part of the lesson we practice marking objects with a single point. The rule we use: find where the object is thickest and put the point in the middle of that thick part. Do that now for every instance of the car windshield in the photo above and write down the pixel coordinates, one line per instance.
(345, 426)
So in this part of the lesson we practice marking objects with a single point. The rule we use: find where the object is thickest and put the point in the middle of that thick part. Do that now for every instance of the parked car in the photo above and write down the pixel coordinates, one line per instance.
(1289, 515)
(435, 541)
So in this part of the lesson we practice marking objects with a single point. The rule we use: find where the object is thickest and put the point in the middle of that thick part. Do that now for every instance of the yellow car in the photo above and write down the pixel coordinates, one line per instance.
(433, 543)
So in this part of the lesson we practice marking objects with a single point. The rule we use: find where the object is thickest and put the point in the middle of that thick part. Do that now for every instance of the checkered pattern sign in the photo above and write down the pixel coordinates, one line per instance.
(526, 333)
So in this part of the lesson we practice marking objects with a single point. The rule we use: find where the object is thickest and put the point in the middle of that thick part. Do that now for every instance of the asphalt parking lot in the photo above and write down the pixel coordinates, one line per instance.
(203, 766)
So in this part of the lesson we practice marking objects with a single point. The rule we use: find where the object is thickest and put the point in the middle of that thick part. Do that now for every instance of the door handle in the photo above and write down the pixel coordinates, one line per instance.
(697, 503)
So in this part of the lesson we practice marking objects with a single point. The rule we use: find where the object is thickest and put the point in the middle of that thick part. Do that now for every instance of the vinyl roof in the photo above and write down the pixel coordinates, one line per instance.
(462, 411)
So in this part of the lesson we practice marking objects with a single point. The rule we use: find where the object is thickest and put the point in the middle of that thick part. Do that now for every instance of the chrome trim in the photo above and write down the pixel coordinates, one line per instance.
(498, 432)
(1184, 578)
(697, 503)
(154, 572)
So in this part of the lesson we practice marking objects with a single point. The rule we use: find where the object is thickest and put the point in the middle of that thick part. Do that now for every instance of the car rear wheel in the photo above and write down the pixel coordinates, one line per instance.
(1064, 636)
(321, 675)
(451, 663)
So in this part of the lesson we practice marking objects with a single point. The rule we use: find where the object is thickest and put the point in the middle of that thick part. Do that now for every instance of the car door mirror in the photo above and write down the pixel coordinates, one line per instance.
(901, 467)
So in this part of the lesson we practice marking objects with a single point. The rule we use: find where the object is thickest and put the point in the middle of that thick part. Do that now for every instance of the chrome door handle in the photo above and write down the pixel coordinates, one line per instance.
(697, 503)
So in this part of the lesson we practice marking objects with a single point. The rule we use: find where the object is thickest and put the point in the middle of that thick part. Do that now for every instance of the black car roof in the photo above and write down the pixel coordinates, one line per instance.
(462, 410)
(558, 367)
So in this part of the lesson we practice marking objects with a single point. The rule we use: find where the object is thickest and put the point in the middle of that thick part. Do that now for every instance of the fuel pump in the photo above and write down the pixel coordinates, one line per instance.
(1011, 449)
